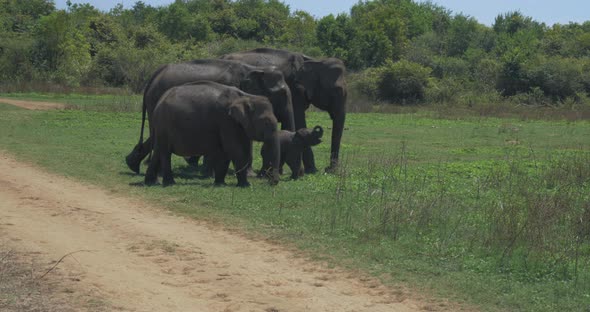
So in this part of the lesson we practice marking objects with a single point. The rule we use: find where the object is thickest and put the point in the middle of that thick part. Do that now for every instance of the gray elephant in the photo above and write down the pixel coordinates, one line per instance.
(265, 81)
(317, 82)
(208, 118)
(292, 145)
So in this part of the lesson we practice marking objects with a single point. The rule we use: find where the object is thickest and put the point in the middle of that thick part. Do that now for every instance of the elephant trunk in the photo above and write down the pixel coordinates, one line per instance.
(338, 118)
(288, 120)
(318, 131)
(284, 110)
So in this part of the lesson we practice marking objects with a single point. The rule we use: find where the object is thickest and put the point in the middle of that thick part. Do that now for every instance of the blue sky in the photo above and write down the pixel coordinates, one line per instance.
(548, 11)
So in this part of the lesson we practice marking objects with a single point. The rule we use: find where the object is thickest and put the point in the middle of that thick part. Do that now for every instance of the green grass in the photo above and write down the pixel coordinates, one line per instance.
(492, 212)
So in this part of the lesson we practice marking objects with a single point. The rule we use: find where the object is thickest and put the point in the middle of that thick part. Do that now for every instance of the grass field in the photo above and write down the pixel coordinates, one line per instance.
(492, 212)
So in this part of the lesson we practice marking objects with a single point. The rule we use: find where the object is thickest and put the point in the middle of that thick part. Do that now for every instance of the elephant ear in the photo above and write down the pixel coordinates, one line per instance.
(266, 81)
(296, 62)
(309, 77)
(240, 110)
(255, 79)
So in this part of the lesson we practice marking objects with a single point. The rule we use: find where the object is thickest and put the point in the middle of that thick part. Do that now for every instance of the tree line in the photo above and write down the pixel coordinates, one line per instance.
(397, 51)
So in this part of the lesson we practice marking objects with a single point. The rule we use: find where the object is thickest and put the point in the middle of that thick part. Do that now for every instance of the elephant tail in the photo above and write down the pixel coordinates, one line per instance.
(143, 110)
(145, 99)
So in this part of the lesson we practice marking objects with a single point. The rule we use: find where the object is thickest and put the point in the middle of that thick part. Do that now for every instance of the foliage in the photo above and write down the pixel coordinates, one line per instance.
(81, 45)
(401, 82)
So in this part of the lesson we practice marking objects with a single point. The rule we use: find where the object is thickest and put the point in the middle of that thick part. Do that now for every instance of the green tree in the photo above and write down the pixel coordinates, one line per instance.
(21, 16)
(300, 30)
(334, 35)
(62, 49)
(461, 34)
(513, 22)
(380, 33)
(261, 20)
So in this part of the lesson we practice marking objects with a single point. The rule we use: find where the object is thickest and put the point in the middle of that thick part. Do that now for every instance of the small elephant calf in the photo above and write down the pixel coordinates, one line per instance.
(292, 145)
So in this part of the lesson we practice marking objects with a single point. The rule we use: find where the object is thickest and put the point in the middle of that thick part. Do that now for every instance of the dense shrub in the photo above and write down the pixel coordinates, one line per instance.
(558, 78)
(365, 83)
(450, 67)
(444, 91)
(403, 82)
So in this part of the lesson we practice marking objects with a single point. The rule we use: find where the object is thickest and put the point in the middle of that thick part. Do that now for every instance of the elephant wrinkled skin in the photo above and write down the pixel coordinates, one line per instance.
(264, 81)
(317, 82)
(207, 118)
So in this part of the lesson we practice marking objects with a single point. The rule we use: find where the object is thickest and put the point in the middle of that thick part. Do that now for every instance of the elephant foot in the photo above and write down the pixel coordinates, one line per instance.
(150, 181)
(168, 182)
(331, 169)
(244, 184)
(132, 162)
(264, 173)
(311, 170)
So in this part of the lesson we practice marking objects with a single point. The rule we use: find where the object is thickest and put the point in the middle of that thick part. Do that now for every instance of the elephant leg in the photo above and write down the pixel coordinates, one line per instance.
(166, 163)
(250, 172)
(241, 168)
(309, 161)
(263, 171)
(221, 167)
(300, 122)
(151, 175)
(138, 153)
(294, 163)
(207, 170)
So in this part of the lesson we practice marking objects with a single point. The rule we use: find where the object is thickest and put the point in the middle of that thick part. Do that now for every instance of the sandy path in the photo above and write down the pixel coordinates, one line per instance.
(141, 258)
(34, 105)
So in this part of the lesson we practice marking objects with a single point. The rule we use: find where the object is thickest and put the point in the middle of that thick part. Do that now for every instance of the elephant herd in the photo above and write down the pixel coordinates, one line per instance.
(216, 107)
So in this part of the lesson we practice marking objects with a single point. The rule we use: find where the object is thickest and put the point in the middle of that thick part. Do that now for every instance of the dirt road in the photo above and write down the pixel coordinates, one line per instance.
(141, 258)
(33, 105)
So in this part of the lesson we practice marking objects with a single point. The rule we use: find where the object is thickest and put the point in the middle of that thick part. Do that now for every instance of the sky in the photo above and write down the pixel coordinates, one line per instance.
(547, 11)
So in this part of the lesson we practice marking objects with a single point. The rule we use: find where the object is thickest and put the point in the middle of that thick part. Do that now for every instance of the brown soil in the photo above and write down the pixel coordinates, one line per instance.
(34, 105)
(136, 257)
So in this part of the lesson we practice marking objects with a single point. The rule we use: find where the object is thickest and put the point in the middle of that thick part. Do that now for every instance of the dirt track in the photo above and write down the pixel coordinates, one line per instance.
(141, 258)
(33, 105)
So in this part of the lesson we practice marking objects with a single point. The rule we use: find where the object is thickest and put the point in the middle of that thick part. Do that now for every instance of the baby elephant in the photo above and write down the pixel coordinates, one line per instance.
(292, 145)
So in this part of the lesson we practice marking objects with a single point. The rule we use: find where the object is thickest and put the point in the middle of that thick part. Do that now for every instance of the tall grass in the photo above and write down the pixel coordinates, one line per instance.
(524, 216)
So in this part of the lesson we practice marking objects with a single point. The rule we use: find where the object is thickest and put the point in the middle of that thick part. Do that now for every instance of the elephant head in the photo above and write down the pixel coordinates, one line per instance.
(271, 83)
(305, 137)
(255, 115)
(322, 83)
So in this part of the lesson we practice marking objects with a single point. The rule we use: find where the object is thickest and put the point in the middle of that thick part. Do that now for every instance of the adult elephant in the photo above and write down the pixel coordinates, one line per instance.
(259, 80)
(317, 82)
(208, 118)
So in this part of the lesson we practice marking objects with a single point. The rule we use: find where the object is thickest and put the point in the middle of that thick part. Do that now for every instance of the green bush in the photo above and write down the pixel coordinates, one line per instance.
(558, 78)
(403, 82)
(444, 91)
(443, 67)
(365, 83)
(485, 73)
